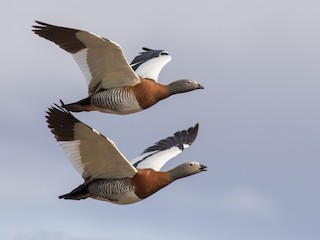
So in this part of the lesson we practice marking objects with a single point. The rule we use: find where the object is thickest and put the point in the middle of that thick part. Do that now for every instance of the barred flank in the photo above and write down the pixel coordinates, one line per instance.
(110, 188)
(114, 99)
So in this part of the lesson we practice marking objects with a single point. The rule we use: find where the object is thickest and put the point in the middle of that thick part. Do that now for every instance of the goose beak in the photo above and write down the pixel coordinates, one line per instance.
(203, 167)
(200, 86)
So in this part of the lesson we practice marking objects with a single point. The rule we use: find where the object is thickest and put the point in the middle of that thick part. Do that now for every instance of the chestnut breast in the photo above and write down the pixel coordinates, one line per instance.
(147, 181)
(148, 92)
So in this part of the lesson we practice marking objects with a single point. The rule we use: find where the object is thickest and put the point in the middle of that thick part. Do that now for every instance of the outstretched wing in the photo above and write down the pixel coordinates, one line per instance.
(101, 60)
(157, 155)
(92, 154)
(149, 63)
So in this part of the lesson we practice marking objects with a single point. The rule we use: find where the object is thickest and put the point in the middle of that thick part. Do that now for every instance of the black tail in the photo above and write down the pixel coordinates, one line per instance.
(82, 105)
(79, 193)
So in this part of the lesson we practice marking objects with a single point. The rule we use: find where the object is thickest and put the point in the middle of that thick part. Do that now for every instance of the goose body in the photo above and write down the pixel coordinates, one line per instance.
(114, 86)
(107, 174)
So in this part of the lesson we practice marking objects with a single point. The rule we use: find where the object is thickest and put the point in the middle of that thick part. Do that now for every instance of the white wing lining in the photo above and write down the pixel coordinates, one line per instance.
(72, 150)
(151, 69)
(81, 59)
(156, 159)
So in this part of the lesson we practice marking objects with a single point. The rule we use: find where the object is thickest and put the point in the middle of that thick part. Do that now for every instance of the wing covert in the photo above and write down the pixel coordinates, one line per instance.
(101, 60)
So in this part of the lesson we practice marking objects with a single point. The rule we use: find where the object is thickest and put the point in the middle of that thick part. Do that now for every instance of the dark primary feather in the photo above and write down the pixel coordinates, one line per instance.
(61, 123)
(64, 37)
(179, 138)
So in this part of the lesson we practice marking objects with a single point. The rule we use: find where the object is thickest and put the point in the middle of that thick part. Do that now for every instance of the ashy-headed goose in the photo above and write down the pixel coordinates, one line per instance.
(113, 85)
(107, 174)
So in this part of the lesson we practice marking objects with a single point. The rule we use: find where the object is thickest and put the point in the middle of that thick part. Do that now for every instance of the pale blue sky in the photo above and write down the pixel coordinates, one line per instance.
(259, 120)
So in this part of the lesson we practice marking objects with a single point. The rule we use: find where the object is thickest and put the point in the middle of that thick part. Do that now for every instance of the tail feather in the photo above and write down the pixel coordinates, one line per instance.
(79, 193)
(80, 106)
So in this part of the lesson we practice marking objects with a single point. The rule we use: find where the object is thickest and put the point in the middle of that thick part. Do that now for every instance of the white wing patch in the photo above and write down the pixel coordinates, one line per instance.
(72, 150)
(81, 59)
(151, 68)
(156, 159)
(185, 145)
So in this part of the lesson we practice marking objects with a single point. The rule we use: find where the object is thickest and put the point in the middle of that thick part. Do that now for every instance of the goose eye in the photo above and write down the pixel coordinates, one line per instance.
(189, 82)
(190, 164)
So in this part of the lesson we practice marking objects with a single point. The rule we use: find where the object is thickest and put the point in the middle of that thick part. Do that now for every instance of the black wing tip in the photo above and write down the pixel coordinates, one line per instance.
(194, 130)
(178, 139)
(195, 127)
(146, 55)
(57, 109)
(46, 27)
(61, 123)
(189, 135)
(41, 23)
(58, 112)
(147, 49)
(40, 27)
